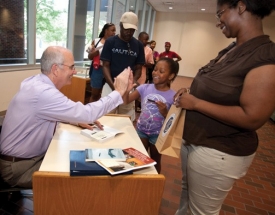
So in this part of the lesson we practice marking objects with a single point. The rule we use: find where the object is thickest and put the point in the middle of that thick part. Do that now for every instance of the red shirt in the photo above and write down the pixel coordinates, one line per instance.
(169, 54)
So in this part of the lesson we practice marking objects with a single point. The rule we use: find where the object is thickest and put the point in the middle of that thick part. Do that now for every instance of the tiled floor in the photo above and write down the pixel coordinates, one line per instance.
(251, 195)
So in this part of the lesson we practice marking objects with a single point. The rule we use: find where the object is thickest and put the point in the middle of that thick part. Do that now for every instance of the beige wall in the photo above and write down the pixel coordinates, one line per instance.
(10, 83)
(194, 37)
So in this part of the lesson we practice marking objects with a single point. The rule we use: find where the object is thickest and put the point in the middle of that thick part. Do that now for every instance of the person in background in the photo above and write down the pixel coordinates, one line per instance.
(230, 98)
(156, 100)
(96, 74)
(169, 53)
(36, 109)
(143, 37)
(156, 57)
(118, 53)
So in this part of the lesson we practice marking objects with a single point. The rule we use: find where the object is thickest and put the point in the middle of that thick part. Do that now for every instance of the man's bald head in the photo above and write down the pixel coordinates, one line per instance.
(52, 55)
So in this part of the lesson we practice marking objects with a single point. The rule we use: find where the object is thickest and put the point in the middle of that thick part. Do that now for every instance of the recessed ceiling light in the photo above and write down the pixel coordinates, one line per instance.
(170, 8)
(132, 6)
(203, 9)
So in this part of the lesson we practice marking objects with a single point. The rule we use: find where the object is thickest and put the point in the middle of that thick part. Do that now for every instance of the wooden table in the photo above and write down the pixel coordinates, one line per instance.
(55, 192)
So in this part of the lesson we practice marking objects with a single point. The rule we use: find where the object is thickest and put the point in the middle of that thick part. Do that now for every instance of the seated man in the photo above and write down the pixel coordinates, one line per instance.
(38, 106)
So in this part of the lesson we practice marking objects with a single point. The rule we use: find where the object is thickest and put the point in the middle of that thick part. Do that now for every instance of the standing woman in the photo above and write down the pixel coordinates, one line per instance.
(156, 58)
(96, 74)
(230, 98)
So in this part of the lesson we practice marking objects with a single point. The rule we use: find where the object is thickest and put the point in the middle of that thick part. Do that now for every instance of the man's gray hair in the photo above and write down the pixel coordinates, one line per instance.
(52, 55)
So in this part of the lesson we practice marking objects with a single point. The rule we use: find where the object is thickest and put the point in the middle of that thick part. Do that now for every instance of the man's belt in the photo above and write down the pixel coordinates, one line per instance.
(12, 159)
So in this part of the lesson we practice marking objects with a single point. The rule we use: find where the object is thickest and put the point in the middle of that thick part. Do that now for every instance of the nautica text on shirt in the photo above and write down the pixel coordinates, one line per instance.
(124, 52)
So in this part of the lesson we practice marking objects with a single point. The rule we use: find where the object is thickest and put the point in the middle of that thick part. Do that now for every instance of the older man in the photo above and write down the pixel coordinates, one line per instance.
(32, 115)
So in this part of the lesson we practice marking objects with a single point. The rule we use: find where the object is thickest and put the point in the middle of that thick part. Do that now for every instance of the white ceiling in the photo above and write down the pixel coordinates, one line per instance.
(184, 5)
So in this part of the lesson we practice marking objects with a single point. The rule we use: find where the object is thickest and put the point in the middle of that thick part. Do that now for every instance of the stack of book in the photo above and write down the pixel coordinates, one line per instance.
(107, 161)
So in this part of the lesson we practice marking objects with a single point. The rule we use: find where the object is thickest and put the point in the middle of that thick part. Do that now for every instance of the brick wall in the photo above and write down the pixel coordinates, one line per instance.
(11, 29)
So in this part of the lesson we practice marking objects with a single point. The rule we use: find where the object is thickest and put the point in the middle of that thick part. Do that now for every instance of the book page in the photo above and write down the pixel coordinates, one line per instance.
(103, 154)
(134, 160)
(101, 135)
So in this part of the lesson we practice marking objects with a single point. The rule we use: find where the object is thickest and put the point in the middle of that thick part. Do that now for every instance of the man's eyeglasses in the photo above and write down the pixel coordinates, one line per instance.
(218, 15)
(70, 67)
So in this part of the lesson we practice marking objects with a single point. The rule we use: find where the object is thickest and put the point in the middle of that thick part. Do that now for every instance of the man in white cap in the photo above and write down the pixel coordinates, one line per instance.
(121, 51)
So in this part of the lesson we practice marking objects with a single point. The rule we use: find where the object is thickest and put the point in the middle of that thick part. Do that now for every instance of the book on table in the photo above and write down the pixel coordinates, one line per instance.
(79, 167)
(101, 135)
(94, 154)
(134, 160)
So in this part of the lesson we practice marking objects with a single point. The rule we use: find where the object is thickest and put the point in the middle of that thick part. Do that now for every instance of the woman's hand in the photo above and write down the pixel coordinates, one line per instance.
(185, 100)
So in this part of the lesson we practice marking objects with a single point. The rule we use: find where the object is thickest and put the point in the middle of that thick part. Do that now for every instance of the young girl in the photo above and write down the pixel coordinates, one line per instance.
(156, 100)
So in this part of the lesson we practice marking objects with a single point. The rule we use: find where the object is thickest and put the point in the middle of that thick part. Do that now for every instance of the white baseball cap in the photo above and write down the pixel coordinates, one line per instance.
(129, 20)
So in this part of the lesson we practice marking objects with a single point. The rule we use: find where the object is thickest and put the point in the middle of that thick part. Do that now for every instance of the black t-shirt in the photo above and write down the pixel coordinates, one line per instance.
(122, 54)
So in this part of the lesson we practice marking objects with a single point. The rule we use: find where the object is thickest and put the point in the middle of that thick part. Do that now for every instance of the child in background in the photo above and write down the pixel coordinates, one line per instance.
(156, 58)
(156, 100)
(143, 37)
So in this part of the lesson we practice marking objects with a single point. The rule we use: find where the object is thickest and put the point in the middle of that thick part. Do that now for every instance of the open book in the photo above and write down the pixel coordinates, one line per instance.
(101, 135)
(94, 154)
(134, 160)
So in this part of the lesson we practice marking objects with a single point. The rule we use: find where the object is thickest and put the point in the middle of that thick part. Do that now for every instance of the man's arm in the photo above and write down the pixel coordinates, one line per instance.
(150, 60)
(140, 61)
(124, 81)
(137, 73)
(93, 52)
(178, 57)
(107, 74)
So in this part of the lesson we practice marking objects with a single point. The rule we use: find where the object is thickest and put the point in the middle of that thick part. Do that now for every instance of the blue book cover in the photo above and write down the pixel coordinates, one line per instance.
(79, 167)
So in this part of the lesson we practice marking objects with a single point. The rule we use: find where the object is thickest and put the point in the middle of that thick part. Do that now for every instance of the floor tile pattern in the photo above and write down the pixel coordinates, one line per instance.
(253, 194)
